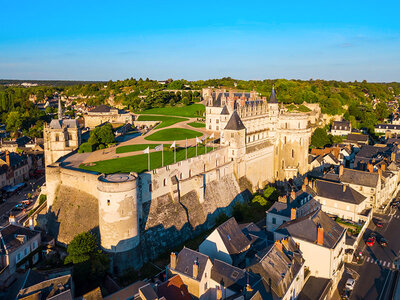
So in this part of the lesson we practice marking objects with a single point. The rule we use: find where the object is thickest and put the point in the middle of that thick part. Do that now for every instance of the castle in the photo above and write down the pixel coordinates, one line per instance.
(139, 216)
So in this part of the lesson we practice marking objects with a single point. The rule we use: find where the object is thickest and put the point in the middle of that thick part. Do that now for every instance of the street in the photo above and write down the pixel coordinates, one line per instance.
(12, 201)
(378, 260)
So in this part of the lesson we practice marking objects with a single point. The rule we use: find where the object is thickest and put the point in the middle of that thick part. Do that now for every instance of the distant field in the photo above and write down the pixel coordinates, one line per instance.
(173, 134)
(138, 163)
(165, 121)
(182, 111)
(197, 124)
(138, 147)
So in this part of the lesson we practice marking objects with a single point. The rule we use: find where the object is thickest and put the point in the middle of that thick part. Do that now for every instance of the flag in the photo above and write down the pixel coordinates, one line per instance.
(198, 140)
(158, 148)
(212, 136)
(173, 145)
(147, 150)
(204, 138)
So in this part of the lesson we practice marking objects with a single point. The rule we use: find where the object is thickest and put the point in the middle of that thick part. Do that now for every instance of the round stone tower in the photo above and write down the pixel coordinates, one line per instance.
(118, 219)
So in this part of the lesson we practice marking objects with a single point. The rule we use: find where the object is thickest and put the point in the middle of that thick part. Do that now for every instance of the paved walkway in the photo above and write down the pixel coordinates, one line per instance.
(110, 153)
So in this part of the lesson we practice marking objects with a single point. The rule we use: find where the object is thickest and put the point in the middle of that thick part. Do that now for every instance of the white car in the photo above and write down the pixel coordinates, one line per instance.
(350, 284)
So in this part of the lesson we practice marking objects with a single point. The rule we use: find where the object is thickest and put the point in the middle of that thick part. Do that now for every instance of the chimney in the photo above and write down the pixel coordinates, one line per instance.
(12, 220)
(344, 188)
(248, 288)
(303, 187)
(370, 168)
(293, 214)
(341, 169)
(195, 269)
(219, 293)
(173, 260)
(242, 102)
(393, 156)
(293, 194)
(278, 244)
(282, 199)
(8, 158)
(320, 238)
(306, 181)
(383, 167)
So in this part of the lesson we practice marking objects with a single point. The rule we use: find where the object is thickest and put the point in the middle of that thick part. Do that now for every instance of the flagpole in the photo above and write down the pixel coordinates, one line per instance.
(196, 147)
(174, 155)
(162, 155)
(148, 162)
(186, 147)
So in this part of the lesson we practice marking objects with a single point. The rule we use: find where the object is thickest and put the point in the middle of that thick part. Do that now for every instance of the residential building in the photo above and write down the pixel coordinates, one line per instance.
(287, 208)
(321, 241)
(105, 114)
(356, 139)
(281, 268)
(227, 243)
(19, 248)
(341, 127)
(340, 200)
(59, 288)
(387, 128)
(194, 268)
(173, 289)
(14, 168)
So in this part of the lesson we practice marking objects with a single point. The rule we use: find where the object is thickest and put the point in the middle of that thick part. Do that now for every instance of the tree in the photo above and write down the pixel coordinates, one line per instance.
(260, 200)
(81, 248)
(319, 138)
(14, 121)
(381, 111)
(103, 135)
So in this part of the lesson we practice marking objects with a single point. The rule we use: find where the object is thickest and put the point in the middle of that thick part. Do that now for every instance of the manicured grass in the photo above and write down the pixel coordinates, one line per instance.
(197, 124)
(139, 163)
(166, 121)
(173, 134)
(182, 111)
(138, 147)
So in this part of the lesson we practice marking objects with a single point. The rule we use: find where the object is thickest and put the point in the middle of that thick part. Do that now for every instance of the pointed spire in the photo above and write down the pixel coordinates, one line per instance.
(60, 114)
(272, 98)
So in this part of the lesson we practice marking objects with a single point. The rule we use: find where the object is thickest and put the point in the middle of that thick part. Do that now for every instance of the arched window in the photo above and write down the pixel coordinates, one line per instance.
(165, 182)
(57, 138)
(292, 153)
(108, 202)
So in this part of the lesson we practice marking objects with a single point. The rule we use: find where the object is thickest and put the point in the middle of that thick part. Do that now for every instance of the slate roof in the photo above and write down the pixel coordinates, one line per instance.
(357, 137)
(9, 241)
(68, 123)
(173, 288)
(186, 259)
(127, 292)
(341, 125)
(101, 109)
(316, 288)
(235, 123)
(59, 288)
(388, 126)
(225, 111)
(232, 277)
(234, 239)
(363, 178)
(278, 268)
(334, 190)
(306, 228)
(16, 160)
(148, 292)
(272, 97)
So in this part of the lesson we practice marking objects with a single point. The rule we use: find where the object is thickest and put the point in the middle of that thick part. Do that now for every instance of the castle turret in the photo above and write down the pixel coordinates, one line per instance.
(234, 136)
(118, 218)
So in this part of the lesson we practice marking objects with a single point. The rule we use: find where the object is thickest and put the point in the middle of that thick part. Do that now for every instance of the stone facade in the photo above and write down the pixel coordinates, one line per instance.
(140, 216)
(105, 114)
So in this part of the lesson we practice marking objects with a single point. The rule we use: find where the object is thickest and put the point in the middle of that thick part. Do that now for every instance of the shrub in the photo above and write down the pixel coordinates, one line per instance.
(85, 147)
(260, 200)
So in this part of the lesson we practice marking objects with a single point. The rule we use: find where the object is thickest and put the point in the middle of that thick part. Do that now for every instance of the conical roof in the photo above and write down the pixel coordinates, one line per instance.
(224, 111)
(272, 98)
(235, 123)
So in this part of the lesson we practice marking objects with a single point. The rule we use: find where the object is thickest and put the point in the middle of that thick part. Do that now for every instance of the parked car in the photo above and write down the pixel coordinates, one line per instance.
(350, 283)
(379, 223)
(371, 241)
(383, 242)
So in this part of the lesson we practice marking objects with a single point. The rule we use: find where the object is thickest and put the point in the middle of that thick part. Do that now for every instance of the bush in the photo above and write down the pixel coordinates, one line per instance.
(85, 147)
(260, 200)
(101, 146)
(42, 198)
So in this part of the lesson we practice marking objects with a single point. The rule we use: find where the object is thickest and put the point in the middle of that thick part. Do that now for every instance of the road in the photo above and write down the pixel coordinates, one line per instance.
(18, 197)
(378, 260)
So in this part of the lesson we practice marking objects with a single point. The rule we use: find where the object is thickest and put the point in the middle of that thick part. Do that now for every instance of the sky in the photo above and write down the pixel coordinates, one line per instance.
(103, 40)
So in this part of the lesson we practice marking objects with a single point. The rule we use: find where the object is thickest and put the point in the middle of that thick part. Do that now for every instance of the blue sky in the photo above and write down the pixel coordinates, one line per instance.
(102, 40)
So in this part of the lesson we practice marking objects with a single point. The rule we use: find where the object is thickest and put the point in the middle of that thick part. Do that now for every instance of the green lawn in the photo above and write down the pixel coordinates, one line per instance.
(173, 134)
(138, 147)
(197, 124)
(165, 121)
(139, 163)
(182, 111)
